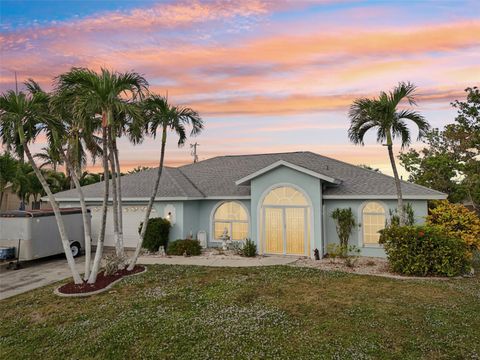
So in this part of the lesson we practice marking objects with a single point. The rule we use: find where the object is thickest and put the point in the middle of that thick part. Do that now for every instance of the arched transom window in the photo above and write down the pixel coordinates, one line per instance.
(285, 195)
(232, 219)
(373, 221)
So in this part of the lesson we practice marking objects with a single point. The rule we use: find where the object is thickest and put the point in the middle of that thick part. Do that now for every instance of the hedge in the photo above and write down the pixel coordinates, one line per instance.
(184, 247)
(157, 233)
(424, 250)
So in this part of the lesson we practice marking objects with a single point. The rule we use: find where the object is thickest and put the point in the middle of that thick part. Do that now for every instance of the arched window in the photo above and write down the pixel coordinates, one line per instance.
(285, 195)
(373, 216)
(232, 218)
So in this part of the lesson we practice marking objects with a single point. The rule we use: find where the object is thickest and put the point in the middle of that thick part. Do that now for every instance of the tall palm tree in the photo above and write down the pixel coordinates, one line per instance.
(160, 115)
(102, 95)
(383, 114)
(29, 115)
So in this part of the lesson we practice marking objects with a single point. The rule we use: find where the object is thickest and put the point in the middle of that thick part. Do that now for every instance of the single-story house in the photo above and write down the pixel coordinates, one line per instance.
(282, 201)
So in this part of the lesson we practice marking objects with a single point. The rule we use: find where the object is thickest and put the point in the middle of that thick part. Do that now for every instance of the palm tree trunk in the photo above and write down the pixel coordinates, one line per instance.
(133, 261)
(86, 224)
(397, 180)
(118, 246)
(1, 199)
(58, 216)
(119, 192)
(101, 236)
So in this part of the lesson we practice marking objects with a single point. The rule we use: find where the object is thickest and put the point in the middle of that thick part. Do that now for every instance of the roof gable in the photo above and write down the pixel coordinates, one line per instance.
(246, 180)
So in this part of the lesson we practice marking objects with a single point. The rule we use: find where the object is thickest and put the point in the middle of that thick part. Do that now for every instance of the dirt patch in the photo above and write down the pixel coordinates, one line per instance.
(102, 282)
(363, 265)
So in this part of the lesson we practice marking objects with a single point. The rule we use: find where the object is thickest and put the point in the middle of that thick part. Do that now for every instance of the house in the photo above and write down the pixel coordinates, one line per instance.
(282, 201)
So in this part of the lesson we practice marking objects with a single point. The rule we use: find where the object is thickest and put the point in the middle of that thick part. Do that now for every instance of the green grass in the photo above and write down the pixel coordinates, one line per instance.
(186, 312)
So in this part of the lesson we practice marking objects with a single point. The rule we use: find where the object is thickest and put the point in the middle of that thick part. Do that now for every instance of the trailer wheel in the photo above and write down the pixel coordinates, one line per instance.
(75, 247)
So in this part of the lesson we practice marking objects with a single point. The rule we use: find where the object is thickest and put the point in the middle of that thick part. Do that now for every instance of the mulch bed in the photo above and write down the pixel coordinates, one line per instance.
(102, 282)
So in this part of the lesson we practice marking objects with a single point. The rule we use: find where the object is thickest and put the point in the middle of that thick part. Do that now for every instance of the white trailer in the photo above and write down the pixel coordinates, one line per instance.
(36, 232)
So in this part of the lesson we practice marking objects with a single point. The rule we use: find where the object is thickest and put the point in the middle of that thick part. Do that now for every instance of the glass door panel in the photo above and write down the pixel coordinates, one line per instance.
(295, 231)
(273, 230)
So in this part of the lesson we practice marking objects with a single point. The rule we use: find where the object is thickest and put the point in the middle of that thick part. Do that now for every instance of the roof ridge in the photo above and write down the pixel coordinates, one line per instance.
(373, 171)
(175, 181)
(191, 182)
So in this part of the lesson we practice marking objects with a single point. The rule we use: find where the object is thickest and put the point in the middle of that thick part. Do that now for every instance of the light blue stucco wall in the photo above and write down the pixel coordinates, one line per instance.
(420, 209)
(280, 176)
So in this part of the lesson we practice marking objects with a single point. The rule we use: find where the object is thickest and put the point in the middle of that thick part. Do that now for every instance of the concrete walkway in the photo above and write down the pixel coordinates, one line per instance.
(35, 274)
(218, 261)
(38, 273)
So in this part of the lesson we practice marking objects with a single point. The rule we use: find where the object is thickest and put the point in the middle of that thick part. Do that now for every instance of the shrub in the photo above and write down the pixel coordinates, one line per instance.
(456, 220)
(187, 247)
(156, 235)
(348, 253)
(344, 222)
(409, 215)
(249, 249)
(424, 250)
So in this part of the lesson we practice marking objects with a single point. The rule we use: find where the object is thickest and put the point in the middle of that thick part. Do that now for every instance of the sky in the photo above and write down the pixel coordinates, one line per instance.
(265, 75)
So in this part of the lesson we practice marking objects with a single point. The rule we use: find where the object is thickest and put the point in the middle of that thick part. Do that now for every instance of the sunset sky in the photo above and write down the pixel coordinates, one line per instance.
(266, 76)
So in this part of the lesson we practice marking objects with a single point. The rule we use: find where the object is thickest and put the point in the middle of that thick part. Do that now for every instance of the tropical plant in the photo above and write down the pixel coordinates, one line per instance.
(8, 169)
(249, 249)
(382, 114)
(103, 95)
(409, 214)
(424, 250)
(29, 115)
(161, 115)
(344, 223)
(457, 221)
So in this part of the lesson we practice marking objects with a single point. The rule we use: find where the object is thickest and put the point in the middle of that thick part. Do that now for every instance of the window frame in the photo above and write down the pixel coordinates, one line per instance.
(230, 223)
(362, 227)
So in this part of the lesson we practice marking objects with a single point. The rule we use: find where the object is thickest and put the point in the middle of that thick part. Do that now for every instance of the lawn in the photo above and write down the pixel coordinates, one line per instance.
(187, 312)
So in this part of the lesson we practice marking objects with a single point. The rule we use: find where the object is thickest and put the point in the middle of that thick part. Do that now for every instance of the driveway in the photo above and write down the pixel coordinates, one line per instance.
(35, 274)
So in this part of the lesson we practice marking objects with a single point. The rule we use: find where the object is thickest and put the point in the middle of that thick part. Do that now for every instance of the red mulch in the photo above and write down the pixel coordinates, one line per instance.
(102, 282)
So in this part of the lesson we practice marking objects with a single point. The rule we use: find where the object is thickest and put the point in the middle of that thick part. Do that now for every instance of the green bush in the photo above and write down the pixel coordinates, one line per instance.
(249, 249)
(187, 246)
(424, 250)
(156, 235)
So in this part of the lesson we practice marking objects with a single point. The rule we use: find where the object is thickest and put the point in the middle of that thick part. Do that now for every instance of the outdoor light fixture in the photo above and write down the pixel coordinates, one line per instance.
(169, 213)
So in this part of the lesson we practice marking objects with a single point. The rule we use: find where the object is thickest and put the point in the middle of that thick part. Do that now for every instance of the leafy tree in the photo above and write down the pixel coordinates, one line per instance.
(161, 115)
(8, 167)
(345, 223)
(382, 114)
(451, 161)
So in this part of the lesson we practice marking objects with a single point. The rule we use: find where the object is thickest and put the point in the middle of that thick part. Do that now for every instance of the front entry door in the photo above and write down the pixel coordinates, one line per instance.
(285, 230)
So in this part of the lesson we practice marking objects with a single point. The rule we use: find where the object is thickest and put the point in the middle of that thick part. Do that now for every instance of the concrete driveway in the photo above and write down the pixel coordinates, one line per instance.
(35, 274)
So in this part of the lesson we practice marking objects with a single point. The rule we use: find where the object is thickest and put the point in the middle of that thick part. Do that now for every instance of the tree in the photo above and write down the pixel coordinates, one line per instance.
(345, 223)
(28, 114)
(8, 169)
(161, 115)
(382, 114)
(451, 160)
(49, 157)
(103, 95)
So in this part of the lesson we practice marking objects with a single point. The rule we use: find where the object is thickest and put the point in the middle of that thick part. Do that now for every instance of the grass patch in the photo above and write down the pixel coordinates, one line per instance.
(187, 312)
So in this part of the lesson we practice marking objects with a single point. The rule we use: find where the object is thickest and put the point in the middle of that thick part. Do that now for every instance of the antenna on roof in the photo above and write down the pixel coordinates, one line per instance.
(194, 152)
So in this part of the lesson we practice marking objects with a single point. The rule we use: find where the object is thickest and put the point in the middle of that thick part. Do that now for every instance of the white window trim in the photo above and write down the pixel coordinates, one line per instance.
(212, 220)
(361, 244)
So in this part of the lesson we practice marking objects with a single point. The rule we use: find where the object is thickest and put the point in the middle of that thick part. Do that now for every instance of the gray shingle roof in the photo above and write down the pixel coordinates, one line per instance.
(216, 177)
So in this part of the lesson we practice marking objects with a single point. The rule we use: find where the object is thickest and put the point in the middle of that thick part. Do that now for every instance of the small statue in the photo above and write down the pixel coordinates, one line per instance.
(316, 254)
(225, 237)
(161, 251)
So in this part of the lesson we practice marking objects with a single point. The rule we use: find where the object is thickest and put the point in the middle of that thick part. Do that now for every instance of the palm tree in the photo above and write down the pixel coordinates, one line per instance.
(382, 114)
(159, 114)
(103, 95)
(49, 157)
(29, 115)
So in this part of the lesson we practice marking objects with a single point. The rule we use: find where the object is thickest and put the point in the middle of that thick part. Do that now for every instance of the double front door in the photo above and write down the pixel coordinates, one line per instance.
(286, 230)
